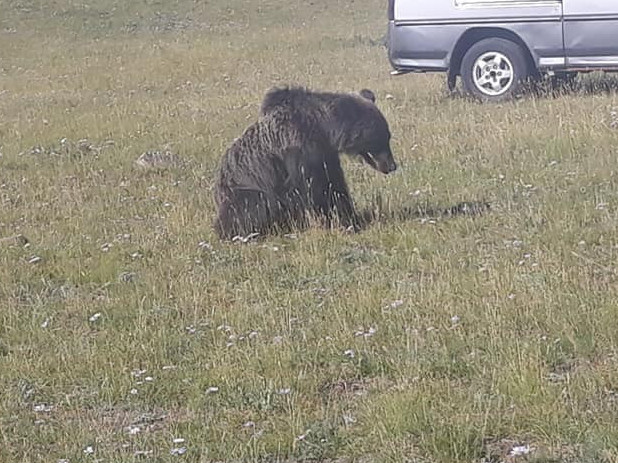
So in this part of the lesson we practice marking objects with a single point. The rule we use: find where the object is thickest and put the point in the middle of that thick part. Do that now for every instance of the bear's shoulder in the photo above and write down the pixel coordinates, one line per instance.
(288, 99)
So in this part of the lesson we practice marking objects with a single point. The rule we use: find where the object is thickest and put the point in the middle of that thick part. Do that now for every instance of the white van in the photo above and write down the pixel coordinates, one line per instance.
(495, 44)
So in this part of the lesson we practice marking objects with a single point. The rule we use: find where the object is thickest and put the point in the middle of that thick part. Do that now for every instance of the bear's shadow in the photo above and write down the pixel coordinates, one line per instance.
(377, 213)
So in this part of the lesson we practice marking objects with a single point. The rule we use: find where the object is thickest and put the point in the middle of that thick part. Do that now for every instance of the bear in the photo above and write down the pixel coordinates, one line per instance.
(285, 167)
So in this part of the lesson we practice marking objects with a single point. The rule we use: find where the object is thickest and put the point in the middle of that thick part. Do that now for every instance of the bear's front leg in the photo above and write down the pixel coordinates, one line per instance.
(344, 209)
(339, 197)
(330, 196)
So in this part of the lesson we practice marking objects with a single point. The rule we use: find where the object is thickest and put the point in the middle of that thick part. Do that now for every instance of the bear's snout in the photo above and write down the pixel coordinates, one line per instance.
(387, 167)
(385, 163)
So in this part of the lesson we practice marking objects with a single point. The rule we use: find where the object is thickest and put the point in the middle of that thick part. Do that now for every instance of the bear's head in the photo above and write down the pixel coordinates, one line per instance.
(361, 130)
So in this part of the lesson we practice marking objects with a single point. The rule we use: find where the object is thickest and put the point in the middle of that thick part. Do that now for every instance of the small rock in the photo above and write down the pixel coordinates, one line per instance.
(127, 277)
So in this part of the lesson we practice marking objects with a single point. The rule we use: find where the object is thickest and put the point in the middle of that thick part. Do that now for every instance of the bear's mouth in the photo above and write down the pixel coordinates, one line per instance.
(380, 166)
(369, 159)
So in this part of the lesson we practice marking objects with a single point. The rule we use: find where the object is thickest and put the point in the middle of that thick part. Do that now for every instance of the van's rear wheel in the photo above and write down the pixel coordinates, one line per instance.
(493, 69)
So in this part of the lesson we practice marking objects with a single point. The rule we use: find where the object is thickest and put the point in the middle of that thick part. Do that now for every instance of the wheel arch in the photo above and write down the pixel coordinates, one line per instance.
(476, 34)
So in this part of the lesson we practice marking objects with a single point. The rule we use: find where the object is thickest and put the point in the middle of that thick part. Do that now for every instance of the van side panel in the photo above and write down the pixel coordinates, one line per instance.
(424, 33)
(422, 48)
(429, 47)
(591, 33)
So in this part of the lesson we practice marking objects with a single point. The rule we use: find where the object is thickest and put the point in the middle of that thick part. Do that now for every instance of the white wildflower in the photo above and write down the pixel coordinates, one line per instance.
(520, 450)
(43, 408)
(245, 239)
(366, 334)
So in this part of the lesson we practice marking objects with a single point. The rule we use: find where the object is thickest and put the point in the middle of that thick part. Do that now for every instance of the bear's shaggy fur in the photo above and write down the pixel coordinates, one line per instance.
(286, 165)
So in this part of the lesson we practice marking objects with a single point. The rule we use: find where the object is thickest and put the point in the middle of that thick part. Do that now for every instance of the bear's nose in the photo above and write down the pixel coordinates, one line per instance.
(387, 167)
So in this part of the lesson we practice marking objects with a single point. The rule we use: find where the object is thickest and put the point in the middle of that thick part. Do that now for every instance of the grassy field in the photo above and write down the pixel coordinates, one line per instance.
(128, 332)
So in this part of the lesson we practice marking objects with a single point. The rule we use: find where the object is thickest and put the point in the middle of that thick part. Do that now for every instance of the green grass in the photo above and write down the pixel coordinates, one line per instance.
(324, 347)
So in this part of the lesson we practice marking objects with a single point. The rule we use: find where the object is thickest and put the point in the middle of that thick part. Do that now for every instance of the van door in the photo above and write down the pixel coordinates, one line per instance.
(591, 33)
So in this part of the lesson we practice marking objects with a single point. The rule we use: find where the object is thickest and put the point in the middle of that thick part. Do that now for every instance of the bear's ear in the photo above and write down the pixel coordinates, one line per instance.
(368, 95)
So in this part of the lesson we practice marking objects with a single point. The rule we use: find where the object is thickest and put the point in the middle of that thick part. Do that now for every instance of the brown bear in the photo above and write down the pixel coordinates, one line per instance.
(286, 165)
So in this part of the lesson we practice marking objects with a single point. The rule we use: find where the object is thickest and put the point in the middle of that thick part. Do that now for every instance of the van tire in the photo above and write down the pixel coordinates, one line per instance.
(493, 70)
